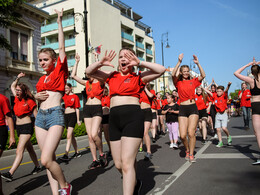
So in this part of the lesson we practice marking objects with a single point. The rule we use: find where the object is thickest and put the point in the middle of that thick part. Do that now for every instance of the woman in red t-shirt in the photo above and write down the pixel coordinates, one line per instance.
(126, 122)
(24, 107)
(160, 116)
(154, 108)
(201, 100)
(188, 114)
(72, 105)
(49, 123)
(105, 101)
(92, 114)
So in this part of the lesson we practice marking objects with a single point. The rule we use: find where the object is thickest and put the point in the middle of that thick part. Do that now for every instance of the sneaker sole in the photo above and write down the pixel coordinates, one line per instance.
(8, 179)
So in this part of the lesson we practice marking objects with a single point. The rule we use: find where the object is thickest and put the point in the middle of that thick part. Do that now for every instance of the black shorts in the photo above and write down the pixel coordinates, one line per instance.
(213, 111)
(187, 110)
(255, 107)
(148, 116)
(89, 111)
(105, 119)
(203, 113)
(159, 112)
(3, 136)
(70, 119)
(24, 129)
(154, 115)
(126, 121)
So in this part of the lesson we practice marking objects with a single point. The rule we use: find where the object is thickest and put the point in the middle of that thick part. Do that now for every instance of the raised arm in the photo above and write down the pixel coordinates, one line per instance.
(154, 72)
(176, 71)
(100, 75)
(202, 73)
(148, 93)
(60, 35)
(14, 84)
(207, 91)
(228, 86)
(242, 77)
(74, 71)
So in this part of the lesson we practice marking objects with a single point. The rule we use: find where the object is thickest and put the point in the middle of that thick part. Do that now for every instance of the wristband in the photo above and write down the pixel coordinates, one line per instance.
(139, 63)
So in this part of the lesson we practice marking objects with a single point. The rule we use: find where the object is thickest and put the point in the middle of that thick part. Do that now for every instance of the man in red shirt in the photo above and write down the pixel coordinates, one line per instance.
(245, 103)
(5, 115)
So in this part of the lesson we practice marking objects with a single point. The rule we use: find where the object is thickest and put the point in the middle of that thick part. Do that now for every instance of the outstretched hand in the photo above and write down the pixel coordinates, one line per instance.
(180, 57)
(60, 14)
(20, 75)
(195, 59)
(107, 59)
(133, 60)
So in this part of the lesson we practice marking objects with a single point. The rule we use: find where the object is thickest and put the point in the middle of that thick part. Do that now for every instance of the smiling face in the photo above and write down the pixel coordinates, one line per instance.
(46, 61)
(67, 89)
(244, 86)
(123, 62)
(213, 88)
(199, 91)
(169, 99)
(185, 71)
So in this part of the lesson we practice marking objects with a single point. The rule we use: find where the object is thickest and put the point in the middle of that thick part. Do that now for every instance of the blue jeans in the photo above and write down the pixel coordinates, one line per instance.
(50, 117)
(246, 115)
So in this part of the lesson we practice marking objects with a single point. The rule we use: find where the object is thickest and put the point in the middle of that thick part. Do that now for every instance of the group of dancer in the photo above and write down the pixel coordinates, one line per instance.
(121, 103)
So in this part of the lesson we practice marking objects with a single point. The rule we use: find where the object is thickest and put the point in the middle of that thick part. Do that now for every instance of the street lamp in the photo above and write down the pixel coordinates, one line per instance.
(167, 46)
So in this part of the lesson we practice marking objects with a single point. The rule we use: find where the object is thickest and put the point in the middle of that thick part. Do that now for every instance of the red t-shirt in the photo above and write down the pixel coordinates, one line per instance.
(165, 102)
(125, 85)
(105, 101)
(186, 89)
(71, 101)
(159, 104)
(56, 81)
(23, 107)
(200, 102)
(5, 108)
(221, 102)
(144, 98)
(211, 98)
(95, 90)
(245, 101)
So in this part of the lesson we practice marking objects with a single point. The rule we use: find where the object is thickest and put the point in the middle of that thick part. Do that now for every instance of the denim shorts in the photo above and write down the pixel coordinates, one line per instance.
(50, 117)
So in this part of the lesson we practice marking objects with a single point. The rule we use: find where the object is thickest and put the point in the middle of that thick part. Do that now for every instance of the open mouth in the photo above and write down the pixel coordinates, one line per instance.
(123, 64)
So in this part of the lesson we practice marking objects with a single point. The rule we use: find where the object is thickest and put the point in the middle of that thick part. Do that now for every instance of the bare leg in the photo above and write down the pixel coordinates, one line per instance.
(193, 121)
(256, 126)
(106, 133)
(146, 136)
(183, 127)
(32, 153)
(23, 139)
(204, 128)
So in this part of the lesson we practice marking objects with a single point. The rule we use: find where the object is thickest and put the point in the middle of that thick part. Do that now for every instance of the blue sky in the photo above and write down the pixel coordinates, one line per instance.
(224, 34)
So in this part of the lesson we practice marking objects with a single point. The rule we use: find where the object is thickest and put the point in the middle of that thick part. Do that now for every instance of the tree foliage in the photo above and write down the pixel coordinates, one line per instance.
(234, 94)
(9, 15)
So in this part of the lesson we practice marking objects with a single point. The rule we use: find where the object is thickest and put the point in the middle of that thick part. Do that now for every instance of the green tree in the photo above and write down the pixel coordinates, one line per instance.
(234, 94)
(9, 15)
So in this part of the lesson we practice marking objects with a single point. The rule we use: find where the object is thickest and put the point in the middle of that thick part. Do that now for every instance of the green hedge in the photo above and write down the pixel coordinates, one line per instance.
(78, 131)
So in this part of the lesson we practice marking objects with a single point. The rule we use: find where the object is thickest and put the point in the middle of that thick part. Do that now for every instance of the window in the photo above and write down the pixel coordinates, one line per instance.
(14, 44)
(24, 47)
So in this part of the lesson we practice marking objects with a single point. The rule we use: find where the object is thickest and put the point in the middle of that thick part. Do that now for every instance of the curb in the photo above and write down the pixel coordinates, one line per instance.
(36, 147)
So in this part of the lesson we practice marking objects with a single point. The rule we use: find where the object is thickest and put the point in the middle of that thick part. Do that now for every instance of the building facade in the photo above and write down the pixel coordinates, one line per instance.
(110, 23)
(25, 39)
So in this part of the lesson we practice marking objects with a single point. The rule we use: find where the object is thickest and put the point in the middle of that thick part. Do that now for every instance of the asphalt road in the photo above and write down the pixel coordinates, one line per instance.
(226, 170)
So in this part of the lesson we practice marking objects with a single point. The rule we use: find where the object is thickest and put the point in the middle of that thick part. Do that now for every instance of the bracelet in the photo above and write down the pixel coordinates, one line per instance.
(139, 63)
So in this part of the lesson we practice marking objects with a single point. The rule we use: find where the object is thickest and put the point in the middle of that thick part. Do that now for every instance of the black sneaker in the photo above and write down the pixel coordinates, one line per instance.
(138, 187)
(203, 141)
(36, 170)
(103, 160)
(94, 164)
(76, 155)
(153, 140)
(65, 158)
(147, 156)
(7, 176)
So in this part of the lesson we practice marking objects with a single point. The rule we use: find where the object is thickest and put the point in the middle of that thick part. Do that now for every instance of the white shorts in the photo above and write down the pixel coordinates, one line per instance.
(221, 120)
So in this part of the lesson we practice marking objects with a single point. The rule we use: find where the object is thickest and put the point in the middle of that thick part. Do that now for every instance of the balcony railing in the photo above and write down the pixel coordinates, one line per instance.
(54, 26)
(139, 44)
(142, 59)
(72, 82)
(148, 51)
(127, 36)
(69, 42)
(71, 62)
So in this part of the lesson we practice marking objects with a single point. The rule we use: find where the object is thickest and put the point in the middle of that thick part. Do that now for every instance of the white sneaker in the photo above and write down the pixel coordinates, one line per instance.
(171, 145)
(175, 146)
(256, 162)
(215, 136)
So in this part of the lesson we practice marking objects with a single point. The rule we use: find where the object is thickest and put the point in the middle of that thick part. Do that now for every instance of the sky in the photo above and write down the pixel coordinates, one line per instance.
(224, 34)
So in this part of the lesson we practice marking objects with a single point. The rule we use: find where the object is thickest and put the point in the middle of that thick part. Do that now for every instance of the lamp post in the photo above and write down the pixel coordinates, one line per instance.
(167, 46)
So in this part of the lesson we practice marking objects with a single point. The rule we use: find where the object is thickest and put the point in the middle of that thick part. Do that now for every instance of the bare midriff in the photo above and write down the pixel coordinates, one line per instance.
(93, 101)
(23, 120)
(53, 100)
(145, 105)
(123, 100)
(255, 98)
(69, 110)
(188, 102)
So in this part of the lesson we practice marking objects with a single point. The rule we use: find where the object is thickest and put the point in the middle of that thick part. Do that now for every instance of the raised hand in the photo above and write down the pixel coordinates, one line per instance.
(133, 60)
(195, 59)
(229, 83)
(254, 61)
(60, 14)
(77, 57)
(107, 59)
(20, 75)
(180, 57)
